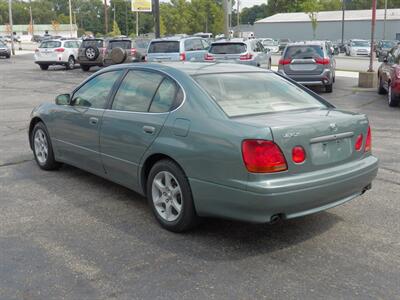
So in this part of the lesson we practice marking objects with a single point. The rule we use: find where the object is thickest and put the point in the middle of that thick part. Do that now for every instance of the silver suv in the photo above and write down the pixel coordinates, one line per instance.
(309, 63)
(249, 52)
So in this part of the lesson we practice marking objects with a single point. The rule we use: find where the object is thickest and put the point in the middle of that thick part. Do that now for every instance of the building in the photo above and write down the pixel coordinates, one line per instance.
(40, 29)
(297, 26)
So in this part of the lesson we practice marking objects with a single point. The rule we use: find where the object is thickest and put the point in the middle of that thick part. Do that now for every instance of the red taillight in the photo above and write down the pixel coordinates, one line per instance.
(261, 156)
(285, 61)
(102, 51)
(359, 142)
(145, 58)
(59, 50)
(133, 51)
(322, 61)
(209, 57)
(368, 142)
(182, 56)
(298, 154)
(247, 56)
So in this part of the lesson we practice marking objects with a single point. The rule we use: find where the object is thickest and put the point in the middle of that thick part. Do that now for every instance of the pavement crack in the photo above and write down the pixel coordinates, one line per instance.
(14, 163)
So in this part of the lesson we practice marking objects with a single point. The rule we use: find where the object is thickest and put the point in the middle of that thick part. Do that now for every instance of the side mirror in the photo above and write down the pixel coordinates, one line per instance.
(63, 99)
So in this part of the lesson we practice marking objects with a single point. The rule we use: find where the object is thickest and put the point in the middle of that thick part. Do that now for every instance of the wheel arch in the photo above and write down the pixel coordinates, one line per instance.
(32, 124)
(149, 163)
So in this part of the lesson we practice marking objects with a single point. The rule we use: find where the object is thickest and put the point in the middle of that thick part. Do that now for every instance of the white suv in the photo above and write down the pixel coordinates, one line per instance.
(57, 52)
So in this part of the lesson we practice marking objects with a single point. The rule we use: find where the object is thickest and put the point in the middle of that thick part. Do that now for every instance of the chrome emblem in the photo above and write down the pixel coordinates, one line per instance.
(333, 127)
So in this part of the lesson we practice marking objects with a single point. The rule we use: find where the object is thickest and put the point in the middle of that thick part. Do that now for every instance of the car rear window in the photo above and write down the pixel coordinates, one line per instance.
(164, 47)
(120, 44)
(240, 94)
(360, 44)
(228, 48)
(304, 52)
(50, 44)
(93, 43)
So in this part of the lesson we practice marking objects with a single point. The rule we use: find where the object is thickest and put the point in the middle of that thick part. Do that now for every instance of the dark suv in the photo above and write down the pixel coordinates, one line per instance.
(309, 63)
(91, 53)
(389, 76)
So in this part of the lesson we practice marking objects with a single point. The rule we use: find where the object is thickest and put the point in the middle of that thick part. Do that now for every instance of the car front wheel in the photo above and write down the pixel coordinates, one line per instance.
(42, 148)
(328, 88)
(71, 63)
(44, 67)
(381, 88)
(393, 99)
(170, 197)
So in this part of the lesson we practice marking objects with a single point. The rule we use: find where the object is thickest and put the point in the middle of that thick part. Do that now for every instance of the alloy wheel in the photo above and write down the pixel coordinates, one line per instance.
(41, 146)
(167, 196)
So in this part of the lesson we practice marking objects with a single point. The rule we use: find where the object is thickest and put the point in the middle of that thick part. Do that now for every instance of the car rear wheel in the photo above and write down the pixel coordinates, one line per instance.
(71, 63)
(44, 67)
(328, 88)
(85, 68)
(170, 197)
(42, 148)
(381, 89)
(393, 99)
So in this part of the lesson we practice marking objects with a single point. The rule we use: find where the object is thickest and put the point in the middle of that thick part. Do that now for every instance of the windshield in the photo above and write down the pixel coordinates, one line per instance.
(269, 43)
(164, 47)
(50, 44)
(240, 94)
(304, 52)
(360, 44)
(228, 48)
(388, 44)
(93, 43)
(2, 44)
(120, 44)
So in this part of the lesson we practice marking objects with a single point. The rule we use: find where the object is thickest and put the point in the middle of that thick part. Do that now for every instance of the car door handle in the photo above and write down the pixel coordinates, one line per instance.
(93, 121)
(149, 129)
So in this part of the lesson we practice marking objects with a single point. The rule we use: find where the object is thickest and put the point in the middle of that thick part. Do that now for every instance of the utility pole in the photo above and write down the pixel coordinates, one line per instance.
(343, 10)
(371, 58)
(137, 24)
(156, 12)
(238, 17)
(126, 18)
(11, 26)
(105, 17)
(70, 18)
(114, 15)
(384, 21)
(31, 19)
(226, 18)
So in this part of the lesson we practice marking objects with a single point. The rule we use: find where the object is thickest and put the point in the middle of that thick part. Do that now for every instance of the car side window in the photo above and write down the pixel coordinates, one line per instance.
(165, 98)
(94, 93)
(205, 44)
(136, 91)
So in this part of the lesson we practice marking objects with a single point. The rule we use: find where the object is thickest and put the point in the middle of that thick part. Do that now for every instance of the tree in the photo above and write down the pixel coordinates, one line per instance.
(116, 31)
(55, 25)
(312, 7)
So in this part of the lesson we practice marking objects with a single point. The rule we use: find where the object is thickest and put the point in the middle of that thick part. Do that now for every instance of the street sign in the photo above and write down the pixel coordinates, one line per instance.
(141, 5)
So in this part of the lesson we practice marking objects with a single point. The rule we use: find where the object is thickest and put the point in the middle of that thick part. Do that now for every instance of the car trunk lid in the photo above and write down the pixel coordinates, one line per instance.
(304, 60)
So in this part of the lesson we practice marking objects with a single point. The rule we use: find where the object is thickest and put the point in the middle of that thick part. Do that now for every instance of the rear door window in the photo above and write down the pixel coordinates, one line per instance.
(137, 91)
(93, 43)
(50, 44)
(228, 48)
(164, 47)
(120, 44)
(304, 52)
(165, 97)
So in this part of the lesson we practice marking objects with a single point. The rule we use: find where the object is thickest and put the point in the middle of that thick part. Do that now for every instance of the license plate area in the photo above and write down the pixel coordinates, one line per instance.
(327, 152)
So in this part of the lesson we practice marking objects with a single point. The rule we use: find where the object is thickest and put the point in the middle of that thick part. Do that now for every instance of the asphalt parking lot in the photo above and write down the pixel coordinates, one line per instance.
(71, 235)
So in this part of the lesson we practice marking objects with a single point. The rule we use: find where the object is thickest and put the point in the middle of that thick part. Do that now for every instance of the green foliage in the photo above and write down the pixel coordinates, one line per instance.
(312, 7)
(115, 31)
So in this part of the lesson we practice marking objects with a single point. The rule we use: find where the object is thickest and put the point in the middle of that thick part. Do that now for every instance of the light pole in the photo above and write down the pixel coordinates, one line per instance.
(371, 57)
(105, 17)
(70, 18)
(238, 17)
(384, 21)
(11, 26)
(226, 18)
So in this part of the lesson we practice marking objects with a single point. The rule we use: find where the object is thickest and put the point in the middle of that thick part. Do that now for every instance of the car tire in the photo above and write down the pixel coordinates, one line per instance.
(44, 67)
(393, 99)
(8, 56)
(92, 53)
(329, 88)
(269, 64)
(85, 68)
(170, 197)
(118, 55)
(71, 63)
(42, 148)
(381, 89)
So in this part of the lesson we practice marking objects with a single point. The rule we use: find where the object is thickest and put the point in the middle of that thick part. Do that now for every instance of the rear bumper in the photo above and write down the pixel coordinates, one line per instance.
(50, 62)
(289, 197)
(326, 77)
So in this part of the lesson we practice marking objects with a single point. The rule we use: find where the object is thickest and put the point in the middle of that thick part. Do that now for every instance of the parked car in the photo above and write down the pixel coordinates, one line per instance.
(140, 47)
(91, 53)
(271, 45)
(249, 52)
(309, 63)
(384, 46)
(177, 49)
(206, 139)
(389, 76)
(358, 48)
(282, 44)
(4, 50)
(57, 52)
(118, 50)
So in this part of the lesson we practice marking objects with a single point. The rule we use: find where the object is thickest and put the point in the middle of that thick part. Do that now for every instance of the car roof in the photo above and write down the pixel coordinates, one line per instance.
(175, 38)
(194, 68)
(235, 40)
(307, 43)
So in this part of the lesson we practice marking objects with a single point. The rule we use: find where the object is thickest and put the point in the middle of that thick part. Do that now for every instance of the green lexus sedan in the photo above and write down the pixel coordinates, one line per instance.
(208, 139)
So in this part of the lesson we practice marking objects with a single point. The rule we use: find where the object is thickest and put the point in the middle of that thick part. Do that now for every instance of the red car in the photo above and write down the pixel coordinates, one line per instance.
(389, 76)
